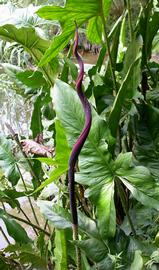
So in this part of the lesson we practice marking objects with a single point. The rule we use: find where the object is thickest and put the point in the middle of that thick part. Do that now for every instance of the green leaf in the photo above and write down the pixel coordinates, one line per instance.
(106, 214)
(148, 27)
(15, 230)
(138, 180)
(147, 137)
(60, 250)
(93, 248)
(138, 262)
(87, 225)
(57, 215)
(35, 45)
(94, 157)
(31, 79)
(127, 90)
(95, 160)
(36, 118)
(9, 196)
(141, 195)
(94, 30)
(72, 11)
(7, 161)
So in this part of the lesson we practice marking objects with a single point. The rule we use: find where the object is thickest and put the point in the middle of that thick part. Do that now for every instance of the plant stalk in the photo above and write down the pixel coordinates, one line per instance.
(28, 219)
(78, 252)
(29, 223)
(5, 236)
(30, 202)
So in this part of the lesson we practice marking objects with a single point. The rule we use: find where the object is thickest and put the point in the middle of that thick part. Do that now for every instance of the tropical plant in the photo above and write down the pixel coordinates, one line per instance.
(99, 205)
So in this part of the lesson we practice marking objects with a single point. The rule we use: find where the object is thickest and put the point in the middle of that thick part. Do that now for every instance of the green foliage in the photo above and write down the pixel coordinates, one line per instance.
(67, 16)
(8, 161)
(117, 179)
(14, 229)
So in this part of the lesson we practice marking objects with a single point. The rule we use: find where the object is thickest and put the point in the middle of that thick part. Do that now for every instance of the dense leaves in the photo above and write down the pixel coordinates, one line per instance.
(116, 175)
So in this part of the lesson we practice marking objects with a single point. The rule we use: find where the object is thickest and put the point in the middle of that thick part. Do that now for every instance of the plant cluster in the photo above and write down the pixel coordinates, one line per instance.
(115, 192)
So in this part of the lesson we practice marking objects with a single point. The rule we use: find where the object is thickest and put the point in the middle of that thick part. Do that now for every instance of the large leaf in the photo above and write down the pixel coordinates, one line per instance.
(147, 137)
(138, 180)
(14, 229)
(36, 46)
(94, 249)
(95, 160)
(57, 215)
(72, 11)
(8, 161)
(94, 157)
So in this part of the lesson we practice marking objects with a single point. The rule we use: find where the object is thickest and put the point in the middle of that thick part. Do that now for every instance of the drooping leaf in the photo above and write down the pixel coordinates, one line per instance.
(93, 248)
(15, 230)
(8, 161)
(87, 225)
(35, 45)
(138, 180)
(72, 11)
(57, 215)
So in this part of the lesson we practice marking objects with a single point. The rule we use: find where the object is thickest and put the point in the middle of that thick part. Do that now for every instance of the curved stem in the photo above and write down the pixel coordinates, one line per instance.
(77, 148)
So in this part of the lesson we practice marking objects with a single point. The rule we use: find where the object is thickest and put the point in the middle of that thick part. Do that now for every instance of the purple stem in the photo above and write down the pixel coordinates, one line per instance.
(83, 136)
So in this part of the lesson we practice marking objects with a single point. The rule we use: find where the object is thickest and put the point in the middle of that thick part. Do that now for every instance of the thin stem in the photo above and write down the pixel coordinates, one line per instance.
(78, 252)
(123, 201)
(130, 19)
(29, 223)
(3, 205)
(28, 219)
(5, 236)
(30, 202)
(109, 54)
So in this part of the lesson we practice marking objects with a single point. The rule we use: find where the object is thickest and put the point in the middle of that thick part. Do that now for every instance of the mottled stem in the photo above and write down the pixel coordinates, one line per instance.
(78, 145)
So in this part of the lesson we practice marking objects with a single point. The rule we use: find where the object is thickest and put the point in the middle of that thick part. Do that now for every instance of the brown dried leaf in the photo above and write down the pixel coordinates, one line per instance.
(32, 147)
